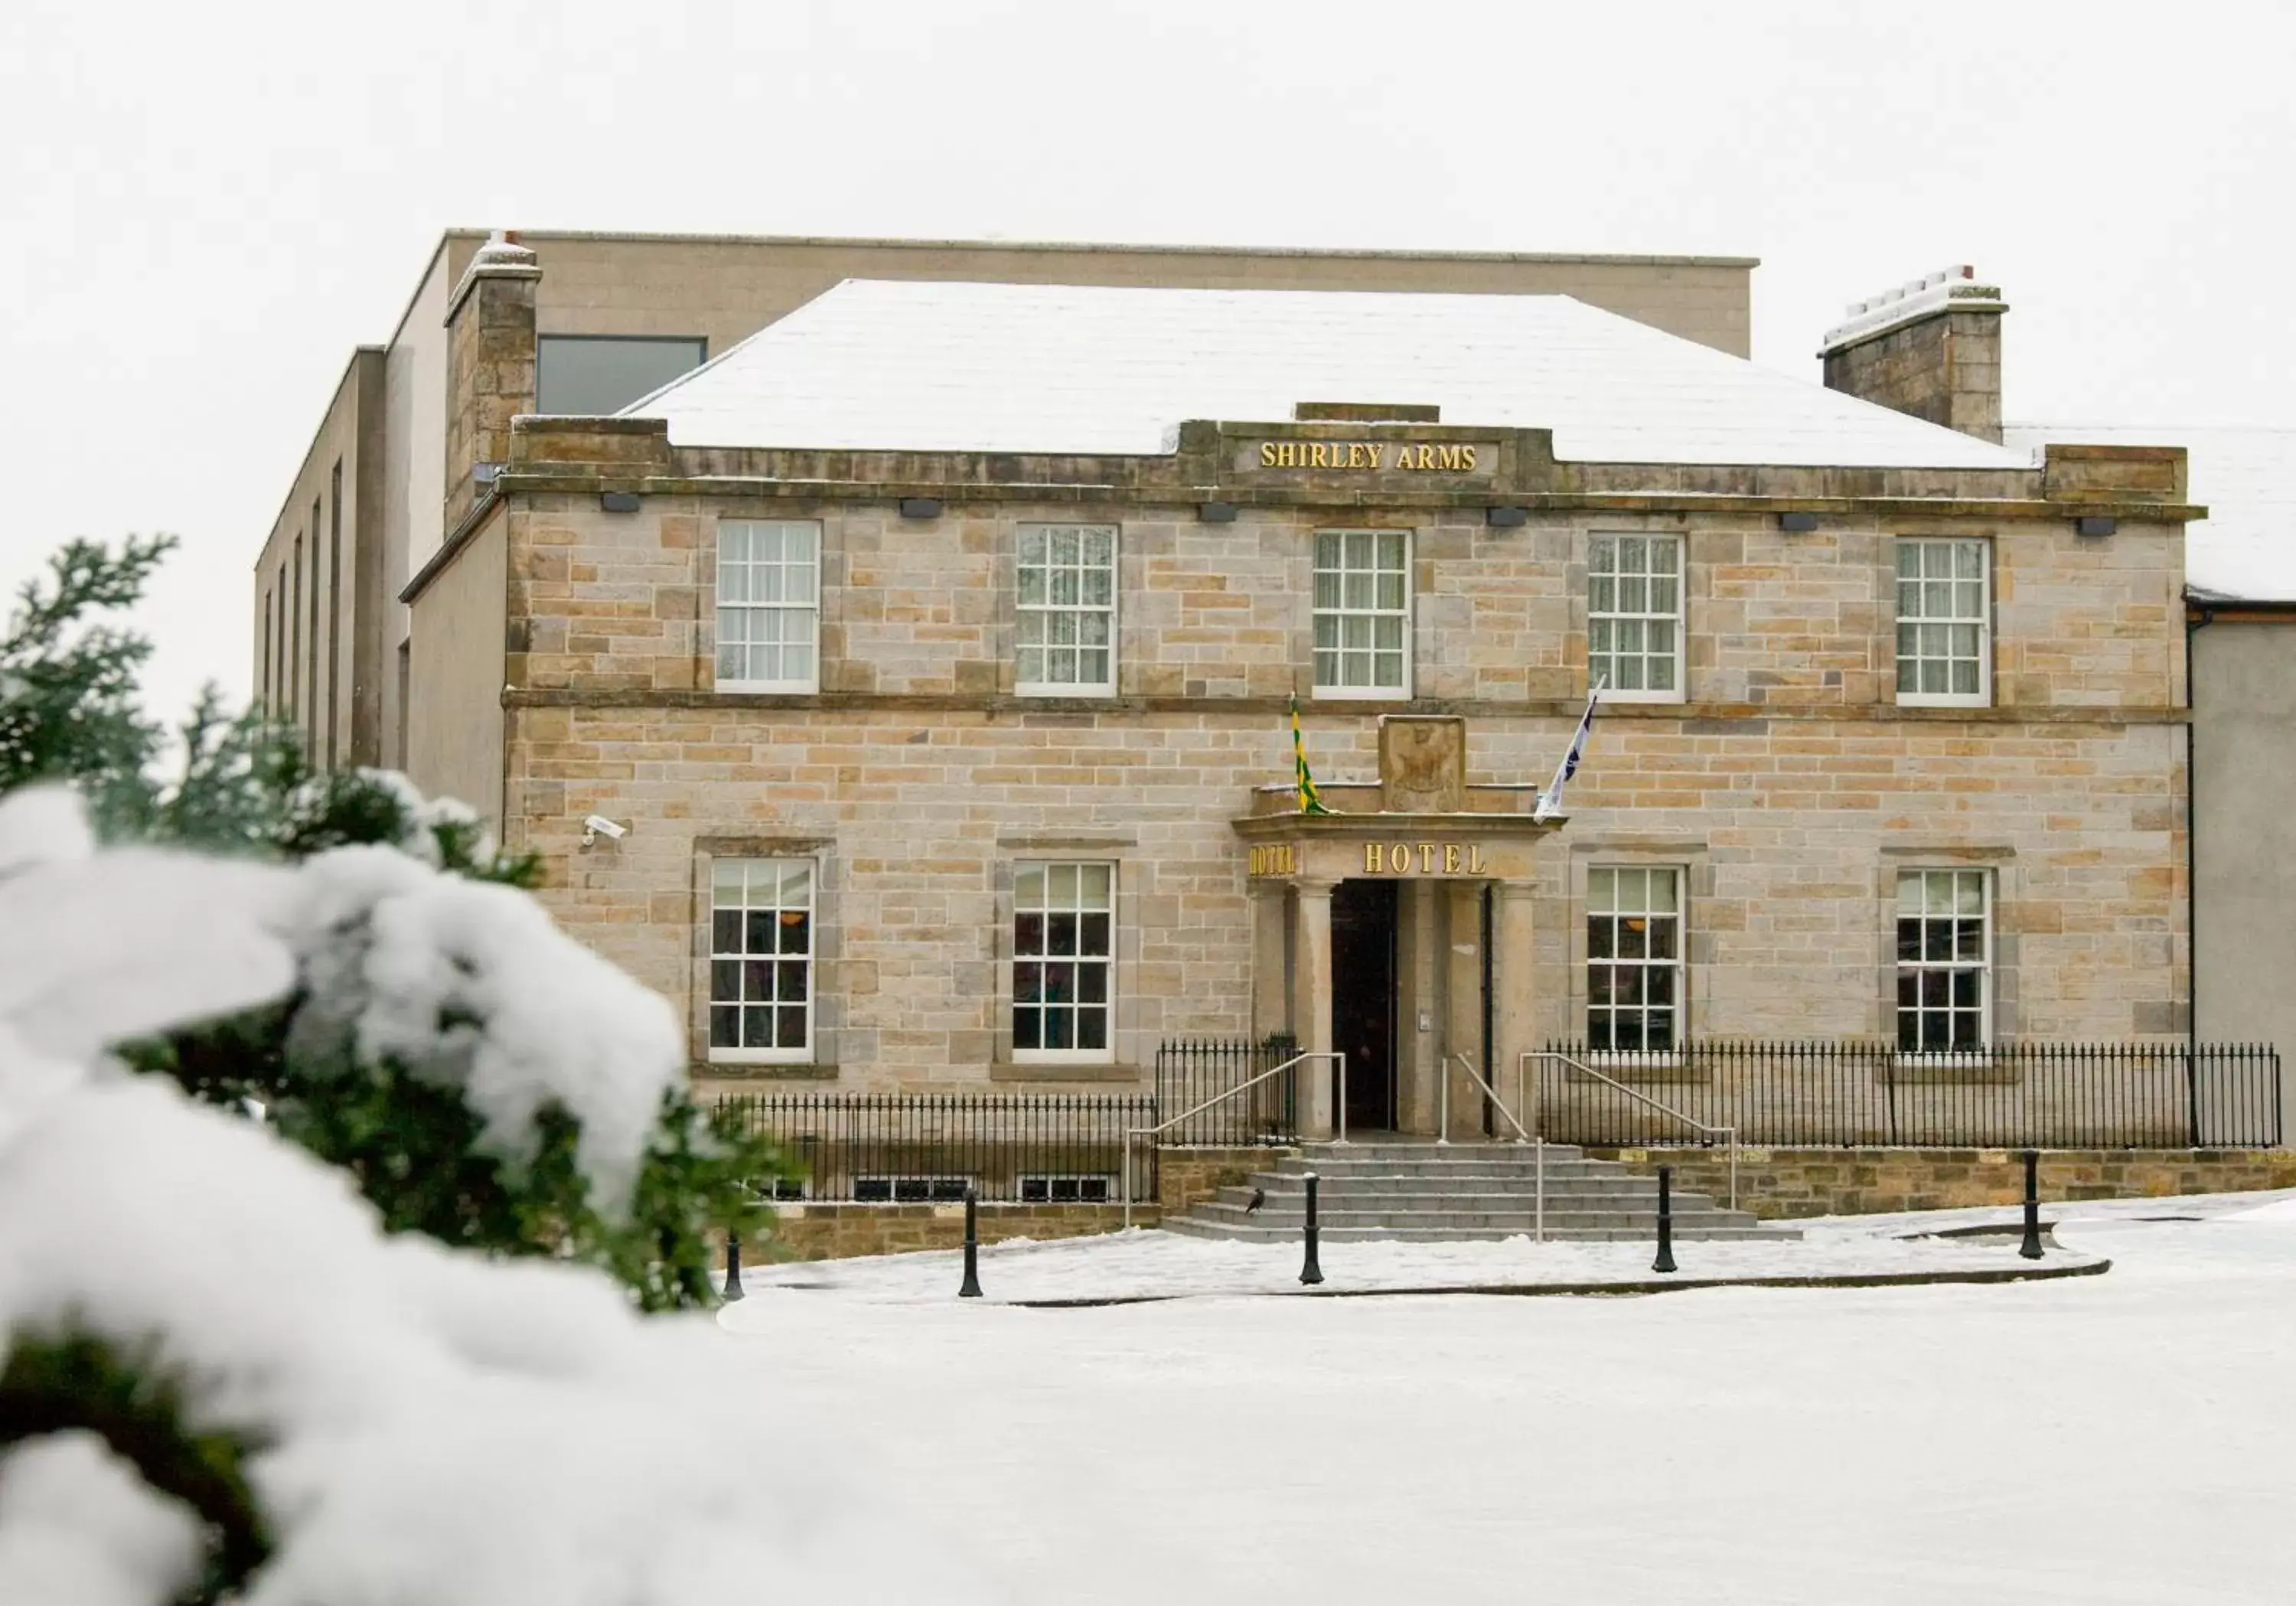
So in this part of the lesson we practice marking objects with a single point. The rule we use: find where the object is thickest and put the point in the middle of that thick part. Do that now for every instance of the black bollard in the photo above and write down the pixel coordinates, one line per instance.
(1665, 1261)
(733, 1266)
(970, 1289)
(2031, 1247)
(1311, 1271)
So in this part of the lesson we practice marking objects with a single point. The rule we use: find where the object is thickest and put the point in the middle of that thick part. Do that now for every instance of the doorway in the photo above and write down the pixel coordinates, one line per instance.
(1363, 999)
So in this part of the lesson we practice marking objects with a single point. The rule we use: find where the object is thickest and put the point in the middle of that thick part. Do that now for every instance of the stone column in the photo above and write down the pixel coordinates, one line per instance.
(1462, 1003)
(1420, 943)
(1271, 992)
(1513, 1014)
(1311, 1004)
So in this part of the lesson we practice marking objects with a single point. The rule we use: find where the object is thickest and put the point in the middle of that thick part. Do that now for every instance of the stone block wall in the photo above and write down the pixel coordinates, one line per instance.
(1945, 367)
(1790, 833)
(836, 1232)
(912, 607)
(1785, 1183)
(1187, 1177)
(1788, 787)
(490, 342)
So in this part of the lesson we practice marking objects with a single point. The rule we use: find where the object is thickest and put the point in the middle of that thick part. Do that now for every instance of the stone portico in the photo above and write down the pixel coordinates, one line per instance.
(1450, 869)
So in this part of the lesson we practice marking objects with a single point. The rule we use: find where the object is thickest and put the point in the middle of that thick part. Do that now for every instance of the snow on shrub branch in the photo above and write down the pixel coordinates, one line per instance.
(470, 985)
(415, 1424)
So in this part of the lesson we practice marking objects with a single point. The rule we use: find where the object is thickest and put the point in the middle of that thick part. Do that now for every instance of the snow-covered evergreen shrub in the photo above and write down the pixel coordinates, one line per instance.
(220, 1376)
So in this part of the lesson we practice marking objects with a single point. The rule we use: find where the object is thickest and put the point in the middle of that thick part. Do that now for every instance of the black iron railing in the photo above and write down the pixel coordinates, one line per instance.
(929, 1148)
(2047, 1095)
(1191, 1071)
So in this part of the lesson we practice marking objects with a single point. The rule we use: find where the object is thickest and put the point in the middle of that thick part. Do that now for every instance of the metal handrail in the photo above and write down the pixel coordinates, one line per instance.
(1134, 1133)
(1538, 1148)
(1729, 1134)
(1467, 1064)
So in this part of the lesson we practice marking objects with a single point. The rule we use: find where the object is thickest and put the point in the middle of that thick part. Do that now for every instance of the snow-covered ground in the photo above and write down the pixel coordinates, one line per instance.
(1147, 1264)
(2116, 1438)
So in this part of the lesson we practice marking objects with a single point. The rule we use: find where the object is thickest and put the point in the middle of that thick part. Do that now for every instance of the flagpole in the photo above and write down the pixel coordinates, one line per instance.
(1303, 782)
(1550, 802)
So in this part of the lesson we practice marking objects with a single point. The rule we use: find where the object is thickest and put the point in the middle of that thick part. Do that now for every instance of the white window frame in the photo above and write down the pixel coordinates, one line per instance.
(809, 605)
(742, 958)
(1045, 910)
(1647, 616)
(1675, 965)
(1048, 610)
(1983, 619)
(1388, 694)
(1048, 1183)
(1951, 964)
(940, 1187)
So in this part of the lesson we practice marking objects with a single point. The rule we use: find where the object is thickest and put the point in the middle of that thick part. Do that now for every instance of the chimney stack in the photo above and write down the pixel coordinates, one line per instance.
(490, 347)
(1930, 348)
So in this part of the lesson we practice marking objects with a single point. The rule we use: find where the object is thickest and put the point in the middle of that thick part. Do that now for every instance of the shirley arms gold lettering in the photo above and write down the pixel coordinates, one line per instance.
(1413, 458)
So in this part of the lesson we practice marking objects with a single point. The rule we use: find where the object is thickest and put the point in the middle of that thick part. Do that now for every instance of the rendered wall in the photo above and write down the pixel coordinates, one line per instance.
(455, 726)
(728, 289)
(414, 477)
(332, 698)
(2244, 834)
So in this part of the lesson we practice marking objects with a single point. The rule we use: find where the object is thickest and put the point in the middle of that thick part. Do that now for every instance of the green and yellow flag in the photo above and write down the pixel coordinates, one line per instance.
(1309, 801)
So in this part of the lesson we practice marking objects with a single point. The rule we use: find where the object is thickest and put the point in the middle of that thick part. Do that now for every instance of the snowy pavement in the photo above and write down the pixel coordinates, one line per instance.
(2115, 1439)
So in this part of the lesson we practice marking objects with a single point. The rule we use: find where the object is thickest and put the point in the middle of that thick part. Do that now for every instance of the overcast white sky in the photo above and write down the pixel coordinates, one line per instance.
(204, 208)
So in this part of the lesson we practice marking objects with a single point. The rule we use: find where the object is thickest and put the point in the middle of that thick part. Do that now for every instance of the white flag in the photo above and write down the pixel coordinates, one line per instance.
(1550, 802)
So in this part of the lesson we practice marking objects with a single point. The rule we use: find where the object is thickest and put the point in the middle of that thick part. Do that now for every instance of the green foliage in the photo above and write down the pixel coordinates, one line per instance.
(349, 807)
(701, 1174)
(77, 1382)
(68, 706)
(237, 773)
(416, 1151)
(70, 710)
(416, 1148)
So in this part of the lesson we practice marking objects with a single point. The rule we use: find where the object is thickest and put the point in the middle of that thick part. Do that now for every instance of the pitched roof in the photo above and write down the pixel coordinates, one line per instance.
(2243, 474)
(925, 366)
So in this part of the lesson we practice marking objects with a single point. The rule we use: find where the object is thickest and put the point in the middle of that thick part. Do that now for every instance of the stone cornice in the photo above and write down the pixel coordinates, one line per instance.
(1075, 710)
(541, 481)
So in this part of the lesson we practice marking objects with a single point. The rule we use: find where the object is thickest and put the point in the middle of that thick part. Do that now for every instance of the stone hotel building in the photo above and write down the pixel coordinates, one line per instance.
(933, 648)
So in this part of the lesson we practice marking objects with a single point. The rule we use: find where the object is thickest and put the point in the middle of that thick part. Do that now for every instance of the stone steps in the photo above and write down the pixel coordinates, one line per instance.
(1466, 1178)
(1331, 1201)
(1190, 1227)
(1458, 1192)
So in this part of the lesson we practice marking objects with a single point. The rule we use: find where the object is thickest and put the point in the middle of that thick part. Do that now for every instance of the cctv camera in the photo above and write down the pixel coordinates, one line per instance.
(597, 823)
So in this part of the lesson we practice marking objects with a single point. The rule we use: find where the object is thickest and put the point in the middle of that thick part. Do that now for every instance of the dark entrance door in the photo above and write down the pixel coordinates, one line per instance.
(1363, 999)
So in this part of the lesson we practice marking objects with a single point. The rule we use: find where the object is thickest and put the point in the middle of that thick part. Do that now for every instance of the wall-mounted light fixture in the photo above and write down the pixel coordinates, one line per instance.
(2096, 524)
(618, 501)
(1797, 524)
(921, 507)
(1216, 513)
(1507, 518)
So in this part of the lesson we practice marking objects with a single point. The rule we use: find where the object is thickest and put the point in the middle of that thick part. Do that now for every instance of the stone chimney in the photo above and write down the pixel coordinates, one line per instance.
(1930, 348)
(489, 366)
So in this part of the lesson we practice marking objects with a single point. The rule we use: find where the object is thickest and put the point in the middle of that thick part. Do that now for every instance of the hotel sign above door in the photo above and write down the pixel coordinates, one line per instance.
(1378, 858)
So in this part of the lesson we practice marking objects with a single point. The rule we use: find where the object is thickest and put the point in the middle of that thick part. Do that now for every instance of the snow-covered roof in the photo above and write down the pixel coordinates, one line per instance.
(2243, 474)
(925, 366)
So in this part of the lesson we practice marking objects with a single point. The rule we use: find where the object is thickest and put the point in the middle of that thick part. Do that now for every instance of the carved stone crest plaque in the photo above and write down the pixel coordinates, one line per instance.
(1422, 764)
